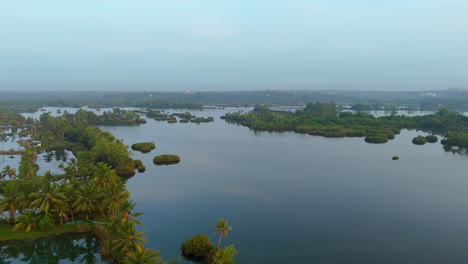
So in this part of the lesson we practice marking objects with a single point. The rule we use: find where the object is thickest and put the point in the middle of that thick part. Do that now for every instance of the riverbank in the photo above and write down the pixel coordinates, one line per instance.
(7, 235)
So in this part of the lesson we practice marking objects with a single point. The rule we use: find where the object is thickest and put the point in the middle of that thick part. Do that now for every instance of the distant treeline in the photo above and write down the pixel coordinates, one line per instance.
(422, 100)
(325, 119)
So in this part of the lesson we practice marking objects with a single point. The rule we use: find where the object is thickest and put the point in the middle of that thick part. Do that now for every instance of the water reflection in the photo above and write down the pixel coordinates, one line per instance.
(70, 248)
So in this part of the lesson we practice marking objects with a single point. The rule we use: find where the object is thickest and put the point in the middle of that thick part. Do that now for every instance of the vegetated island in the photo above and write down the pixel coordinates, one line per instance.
(166, 159)
(143, 147)
(327, 120)
(172, 118)
(88, 197)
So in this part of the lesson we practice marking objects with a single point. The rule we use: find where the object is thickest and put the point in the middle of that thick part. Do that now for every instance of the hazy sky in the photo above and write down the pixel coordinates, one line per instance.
(233, 45)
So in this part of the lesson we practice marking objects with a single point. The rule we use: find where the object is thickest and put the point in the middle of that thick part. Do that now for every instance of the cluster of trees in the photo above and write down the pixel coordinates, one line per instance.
(90, 144)
(200, 248)
(325, 119)
(91, 192)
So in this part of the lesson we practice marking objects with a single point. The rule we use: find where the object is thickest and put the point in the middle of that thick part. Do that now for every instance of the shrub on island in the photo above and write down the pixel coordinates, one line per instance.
(419, 140)
(199, 247)
(376, 138)
(139, 165)
(166, 159)
(431, 139)
(144, 147)
(395, 158)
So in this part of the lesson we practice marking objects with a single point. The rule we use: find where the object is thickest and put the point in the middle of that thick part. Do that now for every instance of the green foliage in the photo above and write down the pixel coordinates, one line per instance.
(198, 246)
(395, 158)
(376, 138)
(419, 140)
(166, 159)
(431, 139)
(225, 256)
(47, 222)
(144, 147)
(202, 120)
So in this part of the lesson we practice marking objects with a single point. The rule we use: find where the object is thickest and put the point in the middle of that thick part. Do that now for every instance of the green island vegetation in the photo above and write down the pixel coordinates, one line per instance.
(166, 159)
(431, 139)
(90, 196)
(200, 249)
(395, 158)
(327, 120)
(172, 118)
(199, 120)
(144, 147)
(419, 140)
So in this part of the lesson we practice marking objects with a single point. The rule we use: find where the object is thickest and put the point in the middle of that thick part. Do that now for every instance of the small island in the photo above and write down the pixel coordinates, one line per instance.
(431, 139)
(419, 140)
(144, 147)
(166, 159)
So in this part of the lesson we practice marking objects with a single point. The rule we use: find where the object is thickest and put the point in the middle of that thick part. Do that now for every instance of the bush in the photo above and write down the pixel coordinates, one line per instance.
(395, 158)
(166, 159)
(144, 147)
(199, 246)
(431, 139)
(225, 256)
(419, 140)
(47, 223)
(376, 138)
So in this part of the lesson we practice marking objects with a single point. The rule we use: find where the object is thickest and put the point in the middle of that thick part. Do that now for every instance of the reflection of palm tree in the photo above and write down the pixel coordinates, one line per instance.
(223, 228)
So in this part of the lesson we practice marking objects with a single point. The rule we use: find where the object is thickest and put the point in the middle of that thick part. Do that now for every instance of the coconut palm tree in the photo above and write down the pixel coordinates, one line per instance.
(128, 240)
(28, 219)
(8, 171)
(46, 200)
(223, 228)
(10, 199)
(126, 213)
(144, 256)
(87, 200)
(113, 196)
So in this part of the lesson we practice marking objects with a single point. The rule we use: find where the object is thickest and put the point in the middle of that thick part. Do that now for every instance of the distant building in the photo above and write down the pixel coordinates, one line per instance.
(36, 144)
(190, 92)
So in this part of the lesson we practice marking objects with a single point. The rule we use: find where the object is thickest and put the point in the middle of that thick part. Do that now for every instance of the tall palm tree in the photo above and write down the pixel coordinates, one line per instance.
(113, 196)
(10, 199)
(223, 228)
(46, 200)
(128, 239)
(126, 213)
(145, 256)
(70, 195)
(87, 201)
(8, 171)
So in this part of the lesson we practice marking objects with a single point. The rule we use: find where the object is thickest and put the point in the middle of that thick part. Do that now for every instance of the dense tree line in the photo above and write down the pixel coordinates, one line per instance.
(325, 119)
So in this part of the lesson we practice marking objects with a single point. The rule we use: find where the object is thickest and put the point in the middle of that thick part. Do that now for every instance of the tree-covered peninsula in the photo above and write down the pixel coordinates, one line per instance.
(89, 196)
(327, 119)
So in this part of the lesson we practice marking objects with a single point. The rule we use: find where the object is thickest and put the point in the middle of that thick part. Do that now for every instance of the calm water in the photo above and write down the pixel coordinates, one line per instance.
(294, 198)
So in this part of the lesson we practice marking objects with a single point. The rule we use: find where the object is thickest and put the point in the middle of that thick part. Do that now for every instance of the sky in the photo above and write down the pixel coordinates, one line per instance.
(216, 45)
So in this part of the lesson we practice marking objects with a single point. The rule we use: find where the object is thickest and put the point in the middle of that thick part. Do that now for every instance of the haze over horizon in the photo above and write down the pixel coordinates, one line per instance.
(218, 45)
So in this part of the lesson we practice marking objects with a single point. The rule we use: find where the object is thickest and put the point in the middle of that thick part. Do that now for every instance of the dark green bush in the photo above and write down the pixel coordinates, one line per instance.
(395, 158)
(376, 138)
(419, 140)
(199, 246)
(144, 147)
(47, 223)
(431, 139)
(166, 159)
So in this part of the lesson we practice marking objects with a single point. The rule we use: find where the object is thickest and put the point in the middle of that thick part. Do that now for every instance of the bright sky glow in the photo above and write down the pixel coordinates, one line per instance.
(174, 45)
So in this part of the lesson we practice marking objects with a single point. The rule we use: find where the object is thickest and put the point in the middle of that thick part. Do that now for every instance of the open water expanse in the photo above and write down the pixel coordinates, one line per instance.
(295, 198)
